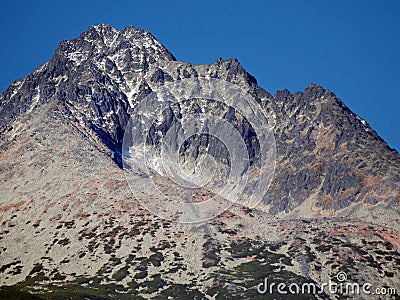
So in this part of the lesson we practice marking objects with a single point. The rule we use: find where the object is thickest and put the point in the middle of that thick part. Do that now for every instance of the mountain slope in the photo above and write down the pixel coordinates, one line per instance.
(324, 150)
(69, 219)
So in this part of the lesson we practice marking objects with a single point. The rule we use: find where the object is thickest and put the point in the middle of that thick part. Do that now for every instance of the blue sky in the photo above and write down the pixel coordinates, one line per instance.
(349, 47)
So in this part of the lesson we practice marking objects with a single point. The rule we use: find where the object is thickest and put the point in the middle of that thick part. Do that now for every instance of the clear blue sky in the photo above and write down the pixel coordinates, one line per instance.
(349, 47)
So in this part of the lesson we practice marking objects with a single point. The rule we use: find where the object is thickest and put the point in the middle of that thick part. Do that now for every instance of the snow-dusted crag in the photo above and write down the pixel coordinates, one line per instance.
(325, 152)
(69, 221)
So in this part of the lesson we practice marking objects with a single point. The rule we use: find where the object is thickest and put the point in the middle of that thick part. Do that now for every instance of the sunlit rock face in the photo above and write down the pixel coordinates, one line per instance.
(73, 222)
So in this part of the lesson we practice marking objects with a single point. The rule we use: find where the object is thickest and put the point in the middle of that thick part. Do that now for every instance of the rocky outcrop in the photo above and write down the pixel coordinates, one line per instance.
(71, 228)
(326, 154)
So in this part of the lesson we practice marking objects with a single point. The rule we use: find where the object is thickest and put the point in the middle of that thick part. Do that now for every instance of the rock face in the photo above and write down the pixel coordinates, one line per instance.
(92, 77)
(324, 151)
(64, 198)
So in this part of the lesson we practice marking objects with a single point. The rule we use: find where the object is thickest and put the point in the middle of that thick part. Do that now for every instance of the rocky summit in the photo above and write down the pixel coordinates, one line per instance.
(74, 227)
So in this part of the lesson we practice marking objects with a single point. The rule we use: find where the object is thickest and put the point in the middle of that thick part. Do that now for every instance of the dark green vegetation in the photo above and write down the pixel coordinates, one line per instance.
(239, 283)
(231, 268)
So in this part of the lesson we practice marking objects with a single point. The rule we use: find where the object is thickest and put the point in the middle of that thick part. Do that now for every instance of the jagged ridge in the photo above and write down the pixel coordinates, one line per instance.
(327, 157)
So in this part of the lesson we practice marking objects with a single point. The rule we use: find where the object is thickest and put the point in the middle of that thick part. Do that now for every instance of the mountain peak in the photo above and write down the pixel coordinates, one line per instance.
(103, 26)
(235, 69)
(133, 29)
(62, 142)
(103, 39)
(100, 76)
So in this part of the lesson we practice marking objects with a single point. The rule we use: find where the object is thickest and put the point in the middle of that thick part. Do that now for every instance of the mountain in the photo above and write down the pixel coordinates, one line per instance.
(73, 223)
